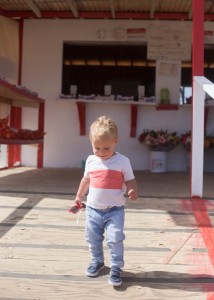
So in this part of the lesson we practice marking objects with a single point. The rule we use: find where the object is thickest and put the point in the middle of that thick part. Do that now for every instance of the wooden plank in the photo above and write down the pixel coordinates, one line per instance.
(11, 91)
(92, 289)
(20, 142)
(19, 103)
(43, 254)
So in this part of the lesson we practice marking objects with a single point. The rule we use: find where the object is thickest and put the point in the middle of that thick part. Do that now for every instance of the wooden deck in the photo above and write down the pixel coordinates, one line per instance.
(169, 246)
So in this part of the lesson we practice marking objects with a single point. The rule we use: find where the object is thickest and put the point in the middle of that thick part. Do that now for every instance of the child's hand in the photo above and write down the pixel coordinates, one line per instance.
(132, 194)
(78, 201)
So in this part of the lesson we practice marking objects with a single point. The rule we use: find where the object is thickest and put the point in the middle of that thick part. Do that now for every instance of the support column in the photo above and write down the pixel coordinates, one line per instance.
(14, 151)
(197, 149)
(197, 154)
(41, 126)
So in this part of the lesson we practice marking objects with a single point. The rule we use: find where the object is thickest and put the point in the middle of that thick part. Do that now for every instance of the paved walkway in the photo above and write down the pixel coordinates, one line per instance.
(169, 247)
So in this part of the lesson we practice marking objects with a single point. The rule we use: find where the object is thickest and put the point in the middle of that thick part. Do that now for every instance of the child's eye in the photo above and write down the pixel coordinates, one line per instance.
(106, 148)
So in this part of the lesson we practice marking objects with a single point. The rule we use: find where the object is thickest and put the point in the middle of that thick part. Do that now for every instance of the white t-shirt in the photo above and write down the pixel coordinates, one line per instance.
(107, 179)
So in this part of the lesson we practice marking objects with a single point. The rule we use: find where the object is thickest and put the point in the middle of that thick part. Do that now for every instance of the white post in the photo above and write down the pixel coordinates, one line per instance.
(200, 85)
(197, 151)
(3, 156)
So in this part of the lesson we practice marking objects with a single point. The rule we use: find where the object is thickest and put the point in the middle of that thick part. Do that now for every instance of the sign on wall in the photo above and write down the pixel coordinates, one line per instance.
(168, 43)
(168, 75)
(136, 34)
(208, 37)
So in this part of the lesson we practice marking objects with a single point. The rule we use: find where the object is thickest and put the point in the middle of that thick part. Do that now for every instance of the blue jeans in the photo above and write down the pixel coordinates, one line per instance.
(111, 222)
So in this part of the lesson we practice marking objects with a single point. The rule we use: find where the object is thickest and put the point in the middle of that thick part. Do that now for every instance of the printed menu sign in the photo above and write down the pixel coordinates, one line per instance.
(168, 43)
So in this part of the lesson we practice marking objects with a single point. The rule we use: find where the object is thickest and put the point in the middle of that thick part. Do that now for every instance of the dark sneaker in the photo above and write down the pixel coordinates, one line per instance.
(115, 277)
(94, 269)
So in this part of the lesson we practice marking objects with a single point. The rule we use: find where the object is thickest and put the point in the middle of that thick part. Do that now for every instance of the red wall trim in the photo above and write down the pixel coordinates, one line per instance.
(198, 38)
(82, 115)
(100, 15)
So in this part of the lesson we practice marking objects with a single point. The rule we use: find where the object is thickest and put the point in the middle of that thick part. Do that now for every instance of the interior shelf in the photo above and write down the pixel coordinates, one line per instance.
(167, 107)
(111, 101)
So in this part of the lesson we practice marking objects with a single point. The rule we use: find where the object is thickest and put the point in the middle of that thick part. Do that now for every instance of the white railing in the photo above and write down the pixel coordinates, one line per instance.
(200, 85)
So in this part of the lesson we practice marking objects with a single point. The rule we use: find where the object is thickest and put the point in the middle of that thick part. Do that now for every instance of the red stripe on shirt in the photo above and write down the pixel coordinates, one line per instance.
(106, 179)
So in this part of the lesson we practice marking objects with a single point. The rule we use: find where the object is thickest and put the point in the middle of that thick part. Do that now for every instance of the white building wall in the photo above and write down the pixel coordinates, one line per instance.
(42, 72)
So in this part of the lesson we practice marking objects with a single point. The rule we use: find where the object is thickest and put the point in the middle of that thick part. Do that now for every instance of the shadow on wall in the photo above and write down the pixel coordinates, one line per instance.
(9, 69)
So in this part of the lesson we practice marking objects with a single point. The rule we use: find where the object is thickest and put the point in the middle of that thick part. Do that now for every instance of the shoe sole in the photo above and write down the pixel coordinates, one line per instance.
(94, 274)
(114, 283)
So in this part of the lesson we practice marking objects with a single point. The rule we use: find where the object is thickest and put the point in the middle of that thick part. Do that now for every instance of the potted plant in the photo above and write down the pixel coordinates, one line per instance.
(160, 142)
(186, 139)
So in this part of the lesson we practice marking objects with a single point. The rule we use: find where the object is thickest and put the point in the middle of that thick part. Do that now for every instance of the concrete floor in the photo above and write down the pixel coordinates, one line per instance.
(176, 184)
(169, 247)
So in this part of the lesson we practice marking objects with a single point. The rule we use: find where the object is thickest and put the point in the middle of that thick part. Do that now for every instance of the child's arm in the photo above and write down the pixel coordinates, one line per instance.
(131, 187)
(82, 190)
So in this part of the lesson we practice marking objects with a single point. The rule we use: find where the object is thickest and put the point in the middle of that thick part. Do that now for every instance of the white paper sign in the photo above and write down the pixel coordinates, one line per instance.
(208, 37)
(168, 43)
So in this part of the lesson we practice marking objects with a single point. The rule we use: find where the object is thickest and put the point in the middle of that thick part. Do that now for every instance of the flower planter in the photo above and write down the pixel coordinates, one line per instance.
(158, 161)
(159, 142)
(161, 148)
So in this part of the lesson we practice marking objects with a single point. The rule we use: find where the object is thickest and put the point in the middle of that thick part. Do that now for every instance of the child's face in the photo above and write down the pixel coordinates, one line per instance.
(104, 148)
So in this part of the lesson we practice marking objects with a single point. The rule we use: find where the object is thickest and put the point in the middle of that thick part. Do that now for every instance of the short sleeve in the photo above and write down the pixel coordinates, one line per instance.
(128, 171)
(86, 171)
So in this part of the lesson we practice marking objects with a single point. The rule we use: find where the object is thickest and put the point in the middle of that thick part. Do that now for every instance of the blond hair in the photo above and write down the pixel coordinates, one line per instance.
(103, 127)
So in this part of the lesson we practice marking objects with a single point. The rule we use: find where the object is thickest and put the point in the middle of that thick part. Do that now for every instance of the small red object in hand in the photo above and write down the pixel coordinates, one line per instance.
(75, 208)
